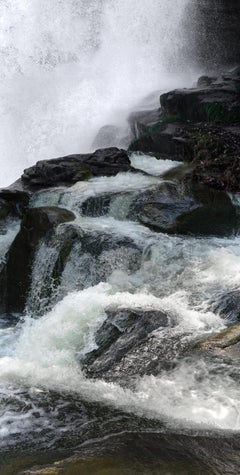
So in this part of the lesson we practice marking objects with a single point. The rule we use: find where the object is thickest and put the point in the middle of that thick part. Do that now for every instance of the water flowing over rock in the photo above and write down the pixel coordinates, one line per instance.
(126, 346)
(119, 295)
(16, 273)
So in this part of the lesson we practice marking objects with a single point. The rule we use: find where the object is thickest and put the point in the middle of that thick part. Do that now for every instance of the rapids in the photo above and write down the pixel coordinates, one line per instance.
(39, 367)
(67, 69)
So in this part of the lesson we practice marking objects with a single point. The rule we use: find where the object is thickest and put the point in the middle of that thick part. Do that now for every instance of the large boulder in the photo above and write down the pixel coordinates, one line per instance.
(70, 169)
(197, 210)
(129, 344)
(218, 102)
(201, 126)
(15, 277)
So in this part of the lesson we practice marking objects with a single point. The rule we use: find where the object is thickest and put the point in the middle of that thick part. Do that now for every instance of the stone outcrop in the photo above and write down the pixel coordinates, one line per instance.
(191, 210)
(68, 170)
(202, 126)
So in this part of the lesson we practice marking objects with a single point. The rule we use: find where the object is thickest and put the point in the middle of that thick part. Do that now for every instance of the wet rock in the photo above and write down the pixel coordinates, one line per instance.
(201, 126)
(97, 205)
(228, 305)
(217, 103)
(206, 81)
(162, 138)
(226, 342)
(195, 210)
(76, 259)
(70, 169)
(15, 277)
(13, 201)
(128, 345)
(140, 121)
(215, 152)
(4, 209)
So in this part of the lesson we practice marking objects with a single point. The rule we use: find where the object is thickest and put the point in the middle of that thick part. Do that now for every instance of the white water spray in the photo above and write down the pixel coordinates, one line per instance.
(68, 68)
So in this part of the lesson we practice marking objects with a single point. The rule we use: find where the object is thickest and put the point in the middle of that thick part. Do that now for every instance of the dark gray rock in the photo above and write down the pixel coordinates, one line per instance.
(140, 121)
(15, 277)
(195, 210)
(164, 139)
(13, 202)
(124, 341)
(70, 169)
(75, 260)
(227, 305)
(217, 103)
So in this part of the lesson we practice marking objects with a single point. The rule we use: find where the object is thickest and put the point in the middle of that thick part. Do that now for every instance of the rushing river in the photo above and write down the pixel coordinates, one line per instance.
(68, 68)
(45, 398)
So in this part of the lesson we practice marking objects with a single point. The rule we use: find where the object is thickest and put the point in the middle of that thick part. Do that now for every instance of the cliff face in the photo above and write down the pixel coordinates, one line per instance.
(214, 30)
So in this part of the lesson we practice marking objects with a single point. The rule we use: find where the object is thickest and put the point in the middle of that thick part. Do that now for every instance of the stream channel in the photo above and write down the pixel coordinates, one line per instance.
(161, 407)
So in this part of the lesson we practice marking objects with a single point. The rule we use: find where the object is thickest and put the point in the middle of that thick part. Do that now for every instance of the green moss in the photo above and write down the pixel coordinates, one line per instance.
(153, 128)
(215, 112)
(82, 174)
(136, 141)
(171, 118)
(218, 113)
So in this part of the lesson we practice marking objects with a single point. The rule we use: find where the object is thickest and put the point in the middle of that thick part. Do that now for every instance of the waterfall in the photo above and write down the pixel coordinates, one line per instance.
(70, 67)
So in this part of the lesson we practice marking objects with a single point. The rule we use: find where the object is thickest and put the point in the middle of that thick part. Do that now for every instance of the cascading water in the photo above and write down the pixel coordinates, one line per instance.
(70, 67)
(67, 69)
(45, 396)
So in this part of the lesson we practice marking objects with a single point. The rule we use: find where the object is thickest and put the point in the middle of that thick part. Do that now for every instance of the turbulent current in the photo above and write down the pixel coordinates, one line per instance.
(67, 69)
(44, 394)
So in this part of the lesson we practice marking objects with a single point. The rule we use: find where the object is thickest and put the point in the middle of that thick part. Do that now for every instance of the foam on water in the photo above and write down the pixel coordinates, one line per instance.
(178, 275)
(193, 393)
(152, 165)
(68, 68)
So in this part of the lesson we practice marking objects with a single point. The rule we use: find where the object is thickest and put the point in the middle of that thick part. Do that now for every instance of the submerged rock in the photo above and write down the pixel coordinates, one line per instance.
(70, 169)
(15, 277)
